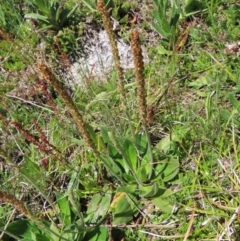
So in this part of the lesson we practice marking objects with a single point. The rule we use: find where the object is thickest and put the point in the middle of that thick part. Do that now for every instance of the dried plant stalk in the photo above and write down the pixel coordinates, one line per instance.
(141, 92)
(113, 42)
(19, 205)
(59, 87)
(61, 90)
(139, 73)
(6, 36)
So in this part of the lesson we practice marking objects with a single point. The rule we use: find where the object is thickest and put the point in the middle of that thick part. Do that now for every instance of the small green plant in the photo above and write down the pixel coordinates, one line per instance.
(13, 49)
(164, 24)
(191, 7)
(11, 16)
(119, 8)
(74, 226)
(68, 40)
(212, 8)
(52, 14)
(166, 18)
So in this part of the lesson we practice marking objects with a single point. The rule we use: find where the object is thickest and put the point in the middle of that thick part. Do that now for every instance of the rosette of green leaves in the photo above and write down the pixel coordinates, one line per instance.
(52, 14)
(128, 160)
(166, 23)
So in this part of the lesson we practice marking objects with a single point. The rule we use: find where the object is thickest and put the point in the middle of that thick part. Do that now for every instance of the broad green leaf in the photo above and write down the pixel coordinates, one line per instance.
(160, 167)
(43, 5)
(41, 237)
(149, 191)
(90, 4)
(55, 230)
(234, 102)
(92, 133)
(163, 204)
(127, 189)
(77, 141)
(171, 170)
(142, 174)
(27, 171)
(131, 153)
(140, 140)
(21, 228)
(145, 162)
(157, 17)
(111, 165)
(200, 82)
(178, 134)
(165, 144)
(229, 117)
(100, 144)
(93, 205)
(167, 169)
(92, 215)
(124, 164)
(166, 27)
(98, 207)
(121, 210)
(98, 234)
(226, 115)
(64, 208)
(2, 17)
(174, 20)
(105, 204)
(32, 167)
(112, 151)
(37, 17)
(129, 178)
(160, 30)
(162, 50)
(104, 133)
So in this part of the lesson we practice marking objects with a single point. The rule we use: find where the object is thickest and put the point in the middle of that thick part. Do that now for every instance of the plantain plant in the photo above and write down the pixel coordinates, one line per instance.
(166, 23)
(167, 16)
(130, 165)
(52, 14)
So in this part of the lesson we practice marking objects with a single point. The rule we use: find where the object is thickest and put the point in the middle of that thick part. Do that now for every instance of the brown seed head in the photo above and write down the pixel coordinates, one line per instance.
(47, 74)
(19, 205)
(139, 73)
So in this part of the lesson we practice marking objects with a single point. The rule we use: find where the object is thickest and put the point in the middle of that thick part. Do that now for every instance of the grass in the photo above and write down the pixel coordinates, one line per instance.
(65, 177)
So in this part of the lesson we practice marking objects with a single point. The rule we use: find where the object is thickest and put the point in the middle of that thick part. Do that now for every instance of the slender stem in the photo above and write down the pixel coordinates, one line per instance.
(141, 92)
(116, 58)
(149, 151)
